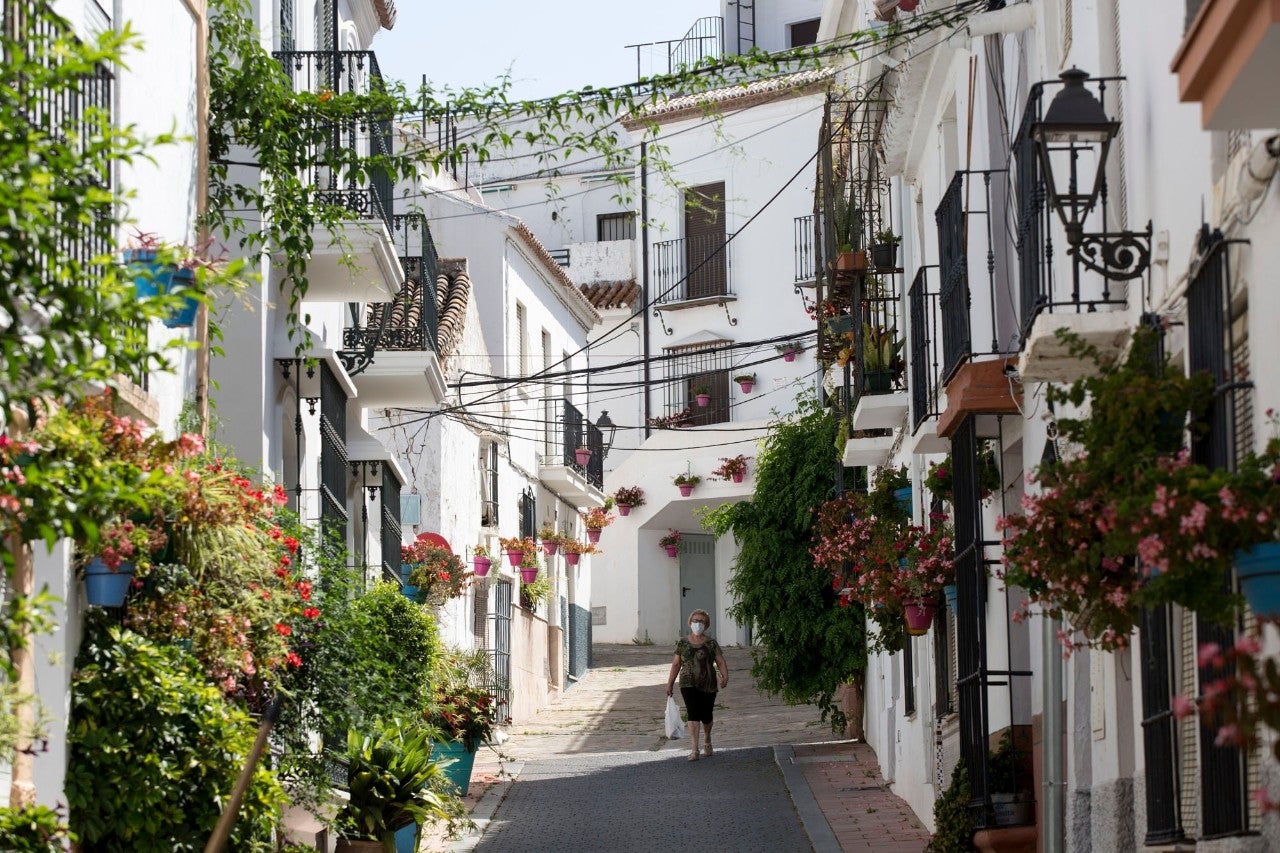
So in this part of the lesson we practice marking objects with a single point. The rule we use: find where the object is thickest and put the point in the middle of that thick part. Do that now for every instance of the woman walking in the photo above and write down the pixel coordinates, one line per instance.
(696, 660)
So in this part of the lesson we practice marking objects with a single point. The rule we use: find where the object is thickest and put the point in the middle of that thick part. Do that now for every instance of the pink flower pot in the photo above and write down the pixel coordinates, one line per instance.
(672, 550)
(583, 455)
(482, 565)
(789, 356)
(515, 556)
(571, 559)
(624, 509)
(593, 535)
(704, 400)
(737, 478)
(746, 387)
(685, 491)
(528, 575)
(908, 5)
(550, 548)
(919, 616)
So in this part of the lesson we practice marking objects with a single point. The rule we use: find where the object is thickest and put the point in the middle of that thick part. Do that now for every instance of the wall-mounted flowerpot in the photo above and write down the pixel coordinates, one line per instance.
(739, 477)
(528, 575)
(746, 386)
(952, 595)
(884, 256)
(514, 556)
(571, 559)
(879, 381)
(184, 317)
(410, 592)
(593, 535)
(685, 491)
(150, 278)
(482, 565)
(903, 498)
(407, 838)
(919, 615)
(672, 550)
(550, 547)
(789, 356)
(624, 509)
(1258, 569)
(457, 762)
(583, 455)
(104, 587)
(704, 400)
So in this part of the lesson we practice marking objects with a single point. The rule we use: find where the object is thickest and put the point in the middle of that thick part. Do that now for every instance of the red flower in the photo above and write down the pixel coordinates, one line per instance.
(291, 543)
(283, 630)
(304, 590)
(293, 659)
(311, 612)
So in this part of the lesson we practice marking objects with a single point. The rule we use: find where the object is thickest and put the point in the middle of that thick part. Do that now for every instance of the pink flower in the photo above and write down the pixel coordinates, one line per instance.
(1182, 707)
(1228, 735)
(1209, 653)
(190, 444)
(1248, 645)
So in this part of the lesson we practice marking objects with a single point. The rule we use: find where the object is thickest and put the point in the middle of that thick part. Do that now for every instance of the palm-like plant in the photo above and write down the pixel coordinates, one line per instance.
(389, 777)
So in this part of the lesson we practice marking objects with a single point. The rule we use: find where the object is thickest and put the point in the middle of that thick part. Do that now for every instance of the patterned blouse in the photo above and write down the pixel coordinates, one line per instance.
(689, 663)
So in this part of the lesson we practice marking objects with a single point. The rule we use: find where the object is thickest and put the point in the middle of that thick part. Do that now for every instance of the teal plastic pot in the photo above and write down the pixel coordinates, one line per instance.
(1258, 569)
(104, 587)
(184, 317)
(903, 497)
(407, 838)
(951, 595)
(456, 762)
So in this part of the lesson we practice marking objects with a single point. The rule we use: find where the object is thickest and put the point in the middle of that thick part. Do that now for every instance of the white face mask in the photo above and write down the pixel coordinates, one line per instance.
(697, 627)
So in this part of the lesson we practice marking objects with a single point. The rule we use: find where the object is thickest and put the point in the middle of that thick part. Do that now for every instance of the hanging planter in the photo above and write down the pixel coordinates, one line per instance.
(789, 355)
(571, 558)
(583, 455)
(549, 547)
(1258, 569)
(746, 383)
(104, 587)
(685, 491)
(152, 278)
(409, 592)
(686, 482)
(481, 565)
(528, 574)
(903, 499)
(671, 542)
(593, 535)
(672, 550)
(184, 317)
(514, 556)
(919, 615)
(703, 395)
(624, 509)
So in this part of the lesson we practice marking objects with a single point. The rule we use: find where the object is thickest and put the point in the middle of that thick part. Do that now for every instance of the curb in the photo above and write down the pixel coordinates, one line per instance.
(811, 816)
(483, 813)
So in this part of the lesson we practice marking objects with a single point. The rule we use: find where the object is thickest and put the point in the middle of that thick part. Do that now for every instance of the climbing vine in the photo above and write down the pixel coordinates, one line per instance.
(808, 646)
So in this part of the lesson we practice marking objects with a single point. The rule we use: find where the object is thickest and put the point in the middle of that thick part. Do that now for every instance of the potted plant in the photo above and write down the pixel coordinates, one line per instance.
(881, 362)
(583, 456)
(166, 271)
(884, 250)
(789, 351)
(528, 568)
(481, 561)
(389, 776)
(595, 520)
(573, 551)
(517, 547)
(686, 482)
(746, 382)
(939, 478)
(952, 815)
(628, 497)
(435, 574)
(702, 393)
(464, 711)
(1010, 806)
(925, 566)
(534, 592)
(550, 540)
(671, 542)
(125, 546)
(732, 468)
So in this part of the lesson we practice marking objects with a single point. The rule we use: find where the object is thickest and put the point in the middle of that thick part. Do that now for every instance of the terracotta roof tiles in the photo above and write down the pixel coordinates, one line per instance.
(612, 294)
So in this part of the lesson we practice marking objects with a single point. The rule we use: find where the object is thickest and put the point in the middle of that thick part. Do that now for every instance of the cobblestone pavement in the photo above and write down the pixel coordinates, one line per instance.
(593, 771)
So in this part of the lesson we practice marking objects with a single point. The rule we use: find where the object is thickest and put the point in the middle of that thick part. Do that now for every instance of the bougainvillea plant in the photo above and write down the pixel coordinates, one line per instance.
(437, 573)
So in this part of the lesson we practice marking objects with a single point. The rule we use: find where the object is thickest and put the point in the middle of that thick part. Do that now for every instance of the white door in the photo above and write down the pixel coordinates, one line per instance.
(697, 577)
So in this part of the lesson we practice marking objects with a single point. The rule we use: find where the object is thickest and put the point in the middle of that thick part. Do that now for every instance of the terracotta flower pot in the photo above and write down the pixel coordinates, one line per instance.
(685, 491)
(571, 559)
(482, 565)
(672, 550)
(593, 535)
(624, 509)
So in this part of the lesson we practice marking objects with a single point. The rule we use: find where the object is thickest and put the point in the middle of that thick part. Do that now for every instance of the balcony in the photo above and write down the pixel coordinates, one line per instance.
(1229, 61)
(693, 271)
(354, 260)
(925, 364)
(875, 332)
(391, 348)
(1092, 307)
(568, 430)
(705, 39)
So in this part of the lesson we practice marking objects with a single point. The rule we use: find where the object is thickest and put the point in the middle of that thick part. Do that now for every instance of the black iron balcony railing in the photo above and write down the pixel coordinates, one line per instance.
(875, 323)
(705, 39)
(805, 257)
(926, 349)
(1033, 237)
(390, 533)
(411, 322)
(347, 157)
(961, 226)
(692, 268)
(571, 431)
(333, 455)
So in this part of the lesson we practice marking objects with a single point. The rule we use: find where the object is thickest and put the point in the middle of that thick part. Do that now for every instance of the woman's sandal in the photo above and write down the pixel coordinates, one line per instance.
(707, 751)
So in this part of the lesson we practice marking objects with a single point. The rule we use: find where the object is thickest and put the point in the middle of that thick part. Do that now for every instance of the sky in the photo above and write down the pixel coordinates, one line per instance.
(551, 46)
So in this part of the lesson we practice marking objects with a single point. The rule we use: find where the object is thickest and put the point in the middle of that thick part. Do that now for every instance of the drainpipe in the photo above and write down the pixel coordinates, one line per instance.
(1054, 759)
(1010, 19)
(644, 274)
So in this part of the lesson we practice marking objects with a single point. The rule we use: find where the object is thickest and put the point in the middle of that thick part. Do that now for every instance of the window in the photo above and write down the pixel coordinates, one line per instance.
(489, 484)
(286, 25)
(522, 340)
(803, 33)
(528, 514)
(706, 261)
(706, 366)
(615, 226)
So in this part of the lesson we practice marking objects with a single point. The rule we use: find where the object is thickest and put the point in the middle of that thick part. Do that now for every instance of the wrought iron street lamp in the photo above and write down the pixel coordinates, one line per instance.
(607, 431)
(1075, 130)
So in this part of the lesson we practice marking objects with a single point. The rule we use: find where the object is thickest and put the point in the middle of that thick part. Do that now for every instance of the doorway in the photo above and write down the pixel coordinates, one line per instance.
(697, 578)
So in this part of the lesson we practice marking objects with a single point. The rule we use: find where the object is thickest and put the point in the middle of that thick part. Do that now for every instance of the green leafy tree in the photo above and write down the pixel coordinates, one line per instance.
(809, 646)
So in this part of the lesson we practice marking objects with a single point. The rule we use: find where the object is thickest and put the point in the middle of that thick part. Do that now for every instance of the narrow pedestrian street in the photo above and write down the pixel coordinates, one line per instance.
(594, 772)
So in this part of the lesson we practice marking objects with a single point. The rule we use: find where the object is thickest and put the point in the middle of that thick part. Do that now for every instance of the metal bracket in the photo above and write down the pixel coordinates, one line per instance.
(725, 306)
(1115, 255)
(657, 312)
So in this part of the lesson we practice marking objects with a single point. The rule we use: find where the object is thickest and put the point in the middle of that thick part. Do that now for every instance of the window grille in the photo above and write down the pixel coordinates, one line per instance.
(333, 455)
(707, 365)
(489, 485)
(528, 514)
(391, 531)
(615, 226)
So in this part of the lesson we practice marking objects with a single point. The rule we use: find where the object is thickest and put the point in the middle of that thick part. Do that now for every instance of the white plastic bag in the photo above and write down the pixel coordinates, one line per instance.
(675, 725)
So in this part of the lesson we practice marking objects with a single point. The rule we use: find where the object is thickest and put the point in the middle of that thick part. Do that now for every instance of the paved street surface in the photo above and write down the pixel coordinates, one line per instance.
(593, 771)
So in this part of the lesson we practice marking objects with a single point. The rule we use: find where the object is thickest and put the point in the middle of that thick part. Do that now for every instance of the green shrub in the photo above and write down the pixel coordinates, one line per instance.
(952, 817)
(155, 750)
(34, 829)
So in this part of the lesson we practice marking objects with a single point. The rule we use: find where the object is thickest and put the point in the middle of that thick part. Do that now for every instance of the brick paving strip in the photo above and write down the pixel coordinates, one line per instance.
(605, 734)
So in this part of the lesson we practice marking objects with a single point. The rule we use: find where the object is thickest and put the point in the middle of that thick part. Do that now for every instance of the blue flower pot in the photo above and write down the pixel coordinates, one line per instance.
(950, 592)
(150, 278)
(184, 317)
(407, 839)
(456, 762)
(903, 497)
(105, 588)
(410, 592)
(1258, 569)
